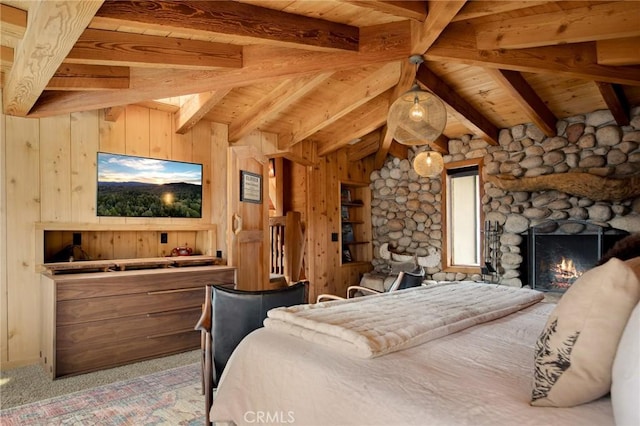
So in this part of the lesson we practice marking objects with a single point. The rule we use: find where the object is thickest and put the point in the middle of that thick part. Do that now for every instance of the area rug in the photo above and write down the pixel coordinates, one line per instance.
(170, 397)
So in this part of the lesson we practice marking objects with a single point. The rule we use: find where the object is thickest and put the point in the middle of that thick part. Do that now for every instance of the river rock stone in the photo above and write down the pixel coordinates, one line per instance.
(587, 141)
(598, 118)
(534, 133)
(516, 224)
(531, 162)
(615, 157)
(632, 137)
(592, 161)
(609, 135)
(554, 143)
(552, 158)
(504, 137)
(600, 212)
(574, 131)
(535, 150)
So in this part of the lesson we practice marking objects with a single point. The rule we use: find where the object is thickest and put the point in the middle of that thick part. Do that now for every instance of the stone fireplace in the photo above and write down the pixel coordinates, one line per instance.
(557, 252)
(407, 209)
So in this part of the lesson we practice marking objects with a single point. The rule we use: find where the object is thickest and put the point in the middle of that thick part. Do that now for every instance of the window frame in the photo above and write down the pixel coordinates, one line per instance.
(447, 265)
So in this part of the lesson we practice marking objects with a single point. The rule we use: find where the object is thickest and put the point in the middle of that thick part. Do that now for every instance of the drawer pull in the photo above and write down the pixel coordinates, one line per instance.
(177, 290)
(173, 311)
(170, 333)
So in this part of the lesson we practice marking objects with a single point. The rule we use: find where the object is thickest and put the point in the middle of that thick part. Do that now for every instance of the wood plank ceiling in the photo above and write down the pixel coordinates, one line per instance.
(323, 72)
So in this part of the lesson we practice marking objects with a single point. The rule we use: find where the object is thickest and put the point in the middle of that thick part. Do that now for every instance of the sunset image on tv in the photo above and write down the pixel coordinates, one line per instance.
(130, 186)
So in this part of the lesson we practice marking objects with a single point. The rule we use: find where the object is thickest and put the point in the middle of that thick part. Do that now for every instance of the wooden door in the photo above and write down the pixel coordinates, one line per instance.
(248, 216)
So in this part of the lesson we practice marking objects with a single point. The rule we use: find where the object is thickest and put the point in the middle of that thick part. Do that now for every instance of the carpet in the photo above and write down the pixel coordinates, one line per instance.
(170, 397)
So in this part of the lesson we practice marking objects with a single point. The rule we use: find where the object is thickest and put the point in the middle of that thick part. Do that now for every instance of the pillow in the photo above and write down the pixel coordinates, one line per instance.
(625, 376)
(575, 351)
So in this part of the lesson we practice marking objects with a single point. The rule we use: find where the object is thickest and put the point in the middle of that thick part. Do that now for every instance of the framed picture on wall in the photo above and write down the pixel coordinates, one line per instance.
(250, 187)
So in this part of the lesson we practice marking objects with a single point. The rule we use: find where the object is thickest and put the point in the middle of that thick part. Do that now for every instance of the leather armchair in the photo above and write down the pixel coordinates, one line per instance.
(228, 316)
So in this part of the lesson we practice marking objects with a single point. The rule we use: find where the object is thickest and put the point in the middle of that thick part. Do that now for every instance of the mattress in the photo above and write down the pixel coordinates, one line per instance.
(478, 376)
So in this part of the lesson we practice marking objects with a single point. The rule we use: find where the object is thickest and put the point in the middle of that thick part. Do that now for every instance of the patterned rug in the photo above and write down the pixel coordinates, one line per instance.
(170, 397)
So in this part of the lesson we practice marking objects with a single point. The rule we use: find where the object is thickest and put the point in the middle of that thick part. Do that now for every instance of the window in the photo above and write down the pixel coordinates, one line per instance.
(462, 213)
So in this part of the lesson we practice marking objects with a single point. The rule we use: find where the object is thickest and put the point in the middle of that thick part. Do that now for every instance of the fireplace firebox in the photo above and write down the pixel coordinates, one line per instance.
(559, 251)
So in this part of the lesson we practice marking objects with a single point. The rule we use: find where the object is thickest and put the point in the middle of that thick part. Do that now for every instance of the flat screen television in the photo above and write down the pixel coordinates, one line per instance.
(130, 186)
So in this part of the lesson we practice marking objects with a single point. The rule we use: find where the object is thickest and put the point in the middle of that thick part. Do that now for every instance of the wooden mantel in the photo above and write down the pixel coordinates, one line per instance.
(588, 185)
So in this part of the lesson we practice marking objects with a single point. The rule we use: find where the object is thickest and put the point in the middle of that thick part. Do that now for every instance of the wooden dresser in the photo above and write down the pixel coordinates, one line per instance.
(97, 320)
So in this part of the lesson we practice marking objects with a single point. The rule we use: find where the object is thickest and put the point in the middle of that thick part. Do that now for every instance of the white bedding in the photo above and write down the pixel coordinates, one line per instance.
(478, 376)
(383, 323)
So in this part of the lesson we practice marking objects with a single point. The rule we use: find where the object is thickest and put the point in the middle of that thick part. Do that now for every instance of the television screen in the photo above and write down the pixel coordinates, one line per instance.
(130, 186)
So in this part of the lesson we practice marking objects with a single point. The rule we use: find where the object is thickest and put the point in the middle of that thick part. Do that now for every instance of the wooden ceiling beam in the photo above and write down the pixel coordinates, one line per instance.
(282, 96)
(620, 51)
(616, 102)
(366, 146)
(43, 48)
(469, 116)
(416, 10)
(195, 108)
(440, 15)
(407, 78)
(335, 107)
(356, 124)
(262, 63)
(519, 89)
(589, 23)
(399, 150)
(478, 9)
(89, 77)
(458, 44)
(6, 58)
(240, 20)
(441, 144)
(101, 47)
(13, 24)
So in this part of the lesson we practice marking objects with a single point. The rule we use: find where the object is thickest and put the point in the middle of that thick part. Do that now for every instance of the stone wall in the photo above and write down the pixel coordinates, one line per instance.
(406, 208)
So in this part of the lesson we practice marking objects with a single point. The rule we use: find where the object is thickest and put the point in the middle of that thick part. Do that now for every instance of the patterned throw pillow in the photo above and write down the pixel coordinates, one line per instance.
(575, 351)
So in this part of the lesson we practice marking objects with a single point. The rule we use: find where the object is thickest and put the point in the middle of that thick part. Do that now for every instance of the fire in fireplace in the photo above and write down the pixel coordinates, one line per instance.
(558, 252)
(564, 274)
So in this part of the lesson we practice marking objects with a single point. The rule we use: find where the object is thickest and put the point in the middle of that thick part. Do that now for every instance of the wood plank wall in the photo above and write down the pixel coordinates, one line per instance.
(48, 174)
(322, 189)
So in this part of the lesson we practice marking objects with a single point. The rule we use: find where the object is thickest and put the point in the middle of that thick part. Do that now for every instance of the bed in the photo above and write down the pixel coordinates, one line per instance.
(474, 374)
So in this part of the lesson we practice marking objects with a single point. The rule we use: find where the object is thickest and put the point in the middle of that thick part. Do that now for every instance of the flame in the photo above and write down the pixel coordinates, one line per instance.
(565, 273)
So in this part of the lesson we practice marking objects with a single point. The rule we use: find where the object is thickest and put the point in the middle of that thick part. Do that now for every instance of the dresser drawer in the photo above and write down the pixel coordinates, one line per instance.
(103, 308)
(76, 360)
(105, 333)
(87, 286)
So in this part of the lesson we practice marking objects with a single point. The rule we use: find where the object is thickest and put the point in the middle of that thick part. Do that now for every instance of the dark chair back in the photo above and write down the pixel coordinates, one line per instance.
(236, 313)
(411, 279)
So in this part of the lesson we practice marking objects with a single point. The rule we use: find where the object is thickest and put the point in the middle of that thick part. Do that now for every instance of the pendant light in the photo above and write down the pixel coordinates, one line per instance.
(428, 163)
(418, 116)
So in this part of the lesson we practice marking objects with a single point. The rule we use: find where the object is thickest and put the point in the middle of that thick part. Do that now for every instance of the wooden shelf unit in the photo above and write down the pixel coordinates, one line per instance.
(355, 223)
(93, 321)
(106, 241)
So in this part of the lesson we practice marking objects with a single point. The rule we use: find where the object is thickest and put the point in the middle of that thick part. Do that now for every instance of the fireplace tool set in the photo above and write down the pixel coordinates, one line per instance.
(491, 249)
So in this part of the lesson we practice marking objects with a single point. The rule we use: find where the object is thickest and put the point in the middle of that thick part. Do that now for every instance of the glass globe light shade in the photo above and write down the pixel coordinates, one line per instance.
(428, 164)
(418, 117)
